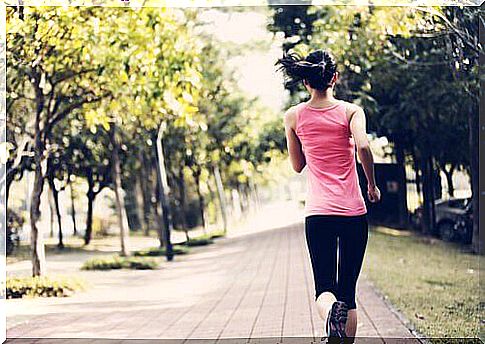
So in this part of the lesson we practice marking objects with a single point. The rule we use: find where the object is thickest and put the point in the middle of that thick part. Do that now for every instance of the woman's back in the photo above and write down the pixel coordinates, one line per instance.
(329, 149)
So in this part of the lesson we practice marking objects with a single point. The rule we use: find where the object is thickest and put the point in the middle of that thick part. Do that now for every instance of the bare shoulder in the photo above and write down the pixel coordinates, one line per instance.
(290, 116)
(351, 109)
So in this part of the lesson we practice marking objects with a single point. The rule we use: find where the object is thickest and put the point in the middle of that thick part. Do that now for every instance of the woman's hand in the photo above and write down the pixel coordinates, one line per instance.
(373, 193)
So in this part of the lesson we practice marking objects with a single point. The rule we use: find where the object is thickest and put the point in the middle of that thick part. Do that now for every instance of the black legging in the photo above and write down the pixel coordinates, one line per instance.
(321, 233)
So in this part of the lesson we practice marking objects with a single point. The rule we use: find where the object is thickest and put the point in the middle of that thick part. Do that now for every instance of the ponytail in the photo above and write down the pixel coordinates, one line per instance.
(317, 68)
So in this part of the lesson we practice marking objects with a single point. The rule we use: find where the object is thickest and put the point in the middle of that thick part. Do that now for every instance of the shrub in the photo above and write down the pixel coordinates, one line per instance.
(160, 251)
(217, 234)
(117, 262)
(200, 241)
(43, 286)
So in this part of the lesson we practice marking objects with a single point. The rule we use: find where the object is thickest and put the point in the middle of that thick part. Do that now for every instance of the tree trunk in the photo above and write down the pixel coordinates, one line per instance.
(417, 178)
(254, 194)
(403, 203)
(73, 208)
(119, 200)
(163, 191)
(478, 238)
(89, 218)
(197, 173)
(142, 225)
(55, 195)
(131, 204)
(449, 180)
(144, 180)
(428, 195)
(222, 196)
(212, 199)
(36, 236)
(52, 212)
(183, 205)
(159, 217)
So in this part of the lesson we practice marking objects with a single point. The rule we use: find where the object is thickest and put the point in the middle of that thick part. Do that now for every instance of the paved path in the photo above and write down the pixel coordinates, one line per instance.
(255, 288)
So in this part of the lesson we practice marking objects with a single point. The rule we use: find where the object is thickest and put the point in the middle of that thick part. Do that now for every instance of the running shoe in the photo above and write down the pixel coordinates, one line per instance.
(336, 322)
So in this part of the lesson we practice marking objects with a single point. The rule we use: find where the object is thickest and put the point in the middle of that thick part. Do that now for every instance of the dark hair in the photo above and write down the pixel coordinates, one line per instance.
(317, 68)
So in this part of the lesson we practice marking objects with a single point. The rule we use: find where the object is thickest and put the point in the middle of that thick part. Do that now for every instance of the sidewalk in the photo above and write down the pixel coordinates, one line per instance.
(247, 287)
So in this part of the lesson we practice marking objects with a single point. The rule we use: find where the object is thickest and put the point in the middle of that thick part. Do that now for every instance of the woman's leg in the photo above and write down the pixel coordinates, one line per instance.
(322, 247)
(351, 326)
(353, 236)
(324, 303)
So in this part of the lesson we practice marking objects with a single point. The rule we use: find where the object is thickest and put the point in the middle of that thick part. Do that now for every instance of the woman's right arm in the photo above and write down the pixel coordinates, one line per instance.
(295, 150)
(358, 129)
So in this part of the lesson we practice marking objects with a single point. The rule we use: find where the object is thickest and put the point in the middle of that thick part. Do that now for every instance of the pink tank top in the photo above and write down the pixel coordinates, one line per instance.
(329, 149)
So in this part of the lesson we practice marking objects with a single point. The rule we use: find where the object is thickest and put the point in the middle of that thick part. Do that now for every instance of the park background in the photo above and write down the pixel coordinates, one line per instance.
(94, 95)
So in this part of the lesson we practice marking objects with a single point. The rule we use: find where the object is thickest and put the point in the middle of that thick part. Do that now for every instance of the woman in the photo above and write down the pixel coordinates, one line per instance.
(323, 134)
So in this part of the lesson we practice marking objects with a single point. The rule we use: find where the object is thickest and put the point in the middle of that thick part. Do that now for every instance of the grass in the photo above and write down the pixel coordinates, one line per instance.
(204, 239)
(117, 262)
(160, 251)
(43, 286)
(433, 283)
(217, 234)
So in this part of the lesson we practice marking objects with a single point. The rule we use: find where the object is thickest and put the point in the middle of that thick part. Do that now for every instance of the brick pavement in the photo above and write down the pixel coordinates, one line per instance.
(255, 288)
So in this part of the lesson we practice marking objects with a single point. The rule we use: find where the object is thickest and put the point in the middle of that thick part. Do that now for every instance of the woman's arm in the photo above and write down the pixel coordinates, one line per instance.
(358, 129)
(293, 143)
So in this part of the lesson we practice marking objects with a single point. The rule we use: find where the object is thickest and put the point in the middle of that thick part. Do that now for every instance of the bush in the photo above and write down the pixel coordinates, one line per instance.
(160, 251)
(217, 234)
(200, 241)
(14, 226)
(117, 262)
(42, 286)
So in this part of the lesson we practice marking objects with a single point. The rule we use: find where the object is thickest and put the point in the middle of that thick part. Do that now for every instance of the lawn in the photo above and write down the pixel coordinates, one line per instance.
(433, 283)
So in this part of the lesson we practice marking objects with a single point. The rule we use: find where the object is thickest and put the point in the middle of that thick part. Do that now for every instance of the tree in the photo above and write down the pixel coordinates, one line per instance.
(50, 54)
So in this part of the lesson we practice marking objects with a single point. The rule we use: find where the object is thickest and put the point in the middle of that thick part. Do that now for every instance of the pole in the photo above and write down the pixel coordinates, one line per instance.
(164, 194)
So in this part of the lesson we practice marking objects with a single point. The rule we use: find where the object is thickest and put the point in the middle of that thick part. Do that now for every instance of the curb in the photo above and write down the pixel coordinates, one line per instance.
(403, 319)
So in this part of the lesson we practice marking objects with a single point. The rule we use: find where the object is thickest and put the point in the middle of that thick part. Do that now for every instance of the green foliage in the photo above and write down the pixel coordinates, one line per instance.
(413, 69)
(434, 284)
(19, 287)
(217, 234)
(202, 240)
(161, 251)
(117, 262)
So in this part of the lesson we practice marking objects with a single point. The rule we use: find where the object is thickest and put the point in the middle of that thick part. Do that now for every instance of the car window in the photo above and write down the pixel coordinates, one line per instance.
(458, 203)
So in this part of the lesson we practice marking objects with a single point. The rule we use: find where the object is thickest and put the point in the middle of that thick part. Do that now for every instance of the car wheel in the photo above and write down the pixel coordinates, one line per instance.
(446, 231)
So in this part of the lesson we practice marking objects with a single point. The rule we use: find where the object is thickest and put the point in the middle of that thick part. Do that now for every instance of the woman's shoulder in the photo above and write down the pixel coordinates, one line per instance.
(350, 108)
(291, 115)
(292, 112)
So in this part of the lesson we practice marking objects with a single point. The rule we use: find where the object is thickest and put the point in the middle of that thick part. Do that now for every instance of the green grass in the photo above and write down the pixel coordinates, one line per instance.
(433, 283)
(43, 286)
(117, 262)
(204, 239)
(160, 251)
(217, 234)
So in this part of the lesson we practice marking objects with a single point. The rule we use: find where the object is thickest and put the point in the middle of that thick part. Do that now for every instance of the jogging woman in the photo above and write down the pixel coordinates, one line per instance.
(323, 134)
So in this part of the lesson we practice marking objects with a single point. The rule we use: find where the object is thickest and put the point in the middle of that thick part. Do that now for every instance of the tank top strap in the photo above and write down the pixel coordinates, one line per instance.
(342, 106)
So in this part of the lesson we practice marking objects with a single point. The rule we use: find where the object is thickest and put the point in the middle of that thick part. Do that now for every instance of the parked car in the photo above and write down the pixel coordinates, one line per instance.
(464, 225)
(453, 219)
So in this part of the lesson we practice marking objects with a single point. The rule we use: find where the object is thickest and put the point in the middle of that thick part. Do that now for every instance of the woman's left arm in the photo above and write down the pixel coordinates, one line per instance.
(293, 143)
